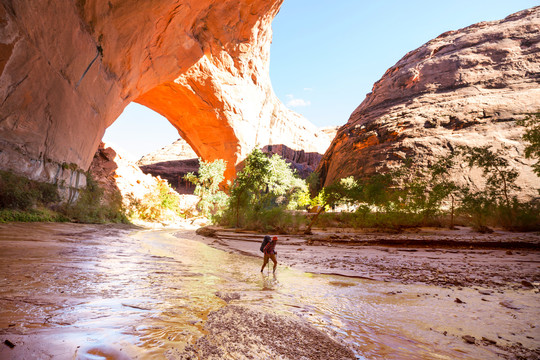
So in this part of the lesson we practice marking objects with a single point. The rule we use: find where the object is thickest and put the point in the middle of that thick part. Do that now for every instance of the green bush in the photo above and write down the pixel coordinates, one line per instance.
(91, 208)
(365, 219)
(160, 204)
(278, 220)
(212, 199)
(274, 219)
(31, 215)
(27, 200)
(532, 136)
(20, 193)
(521, 216)
(263, 184)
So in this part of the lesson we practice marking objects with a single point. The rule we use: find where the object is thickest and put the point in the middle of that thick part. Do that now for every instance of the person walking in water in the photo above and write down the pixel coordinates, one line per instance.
(270, 253)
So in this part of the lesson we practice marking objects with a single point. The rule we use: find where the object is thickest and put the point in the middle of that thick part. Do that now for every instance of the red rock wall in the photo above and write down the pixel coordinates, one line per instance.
(68, 69)
(465, 87)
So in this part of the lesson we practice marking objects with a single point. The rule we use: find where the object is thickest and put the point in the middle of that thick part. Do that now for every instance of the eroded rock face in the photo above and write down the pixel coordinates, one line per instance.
(302, 161)
(178, 150)
(68, 69)
(466, 87)
(172, 163)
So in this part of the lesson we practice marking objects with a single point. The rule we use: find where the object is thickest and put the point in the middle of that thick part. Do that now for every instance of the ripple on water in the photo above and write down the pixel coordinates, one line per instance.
(100, 352)
(150, 293)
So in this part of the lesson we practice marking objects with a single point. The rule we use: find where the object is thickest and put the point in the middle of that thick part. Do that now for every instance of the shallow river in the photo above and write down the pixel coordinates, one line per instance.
(72, 295)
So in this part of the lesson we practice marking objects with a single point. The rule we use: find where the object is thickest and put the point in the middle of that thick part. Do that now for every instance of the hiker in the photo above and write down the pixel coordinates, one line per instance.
(270, 253)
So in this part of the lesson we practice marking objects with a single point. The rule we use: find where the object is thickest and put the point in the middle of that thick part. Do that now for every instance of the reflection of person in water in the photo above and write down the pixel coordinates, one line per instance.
(270, 253)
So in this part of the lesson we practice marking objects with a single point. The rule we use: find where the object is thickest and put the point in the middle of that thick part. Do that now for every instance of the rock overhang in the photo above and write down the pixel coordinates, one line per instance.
(68, 69)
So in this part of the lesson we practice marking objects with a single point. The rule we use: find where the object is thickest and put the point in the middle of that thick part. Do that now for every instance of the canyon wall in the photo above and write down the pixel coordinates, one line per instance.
(466, 87)
(172, 162)
(68, 69)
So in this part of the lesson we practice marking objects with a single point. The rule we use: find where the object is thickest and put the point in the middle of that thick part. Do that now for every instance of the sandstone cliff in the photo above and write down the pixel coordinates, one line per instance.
(178, 150)
(68, 69)
(465, 87)
(172, 162)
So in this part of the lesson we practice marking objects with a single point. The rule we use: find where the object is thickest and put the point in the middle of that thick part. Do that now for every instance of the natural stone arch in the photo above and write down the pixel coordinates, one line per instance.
(222, 144)
(68, 69)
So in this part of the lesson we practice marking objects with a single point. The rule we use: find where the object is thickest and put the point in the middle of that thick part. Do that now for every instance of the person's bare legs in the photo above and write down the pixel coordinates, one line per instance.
(273, 257)
(265, 261)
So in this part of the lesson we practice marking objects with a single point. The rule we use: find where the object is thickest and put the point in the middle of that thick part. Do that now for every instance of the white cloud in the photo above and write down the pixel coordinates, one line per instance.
(308, 89)
(294, 102)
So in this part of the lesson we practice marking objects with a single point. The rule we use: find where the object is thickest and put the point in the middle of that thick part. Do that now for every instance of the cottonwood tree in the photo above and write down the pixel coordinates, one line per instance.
(264, 183)
(207, 185)
(495, 200)
(442, 185)
(500, 177)
(341, 191)
(532, 136)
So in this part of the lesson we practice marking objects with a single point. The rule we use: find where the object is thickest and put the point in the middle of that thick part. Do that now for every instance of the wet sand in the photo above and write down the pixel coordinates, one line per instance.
(70, 291)
(500, 260)
(482, 280)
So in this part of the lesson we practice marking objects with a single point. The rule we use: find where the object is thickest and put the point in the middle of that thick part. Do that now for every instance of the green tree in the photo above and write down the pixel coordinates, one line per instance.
(342, 191)
(532, 135)
(313, 182)
(500, 177)
(478, 206)
(207, 185)
(426, 189)
(379, 190)
(443, 185)
(249, 183)
(283, 183)
(264, 183)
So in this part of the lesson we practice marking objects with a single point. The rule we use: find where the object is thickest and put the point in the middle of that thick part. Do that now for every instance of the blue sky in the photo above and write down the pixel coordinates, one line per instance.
(326, 55)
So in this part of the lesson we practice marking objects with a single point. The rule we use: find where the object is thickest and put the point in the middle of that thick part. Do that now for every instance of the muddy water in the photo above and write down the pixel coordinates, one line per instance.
(85, 292)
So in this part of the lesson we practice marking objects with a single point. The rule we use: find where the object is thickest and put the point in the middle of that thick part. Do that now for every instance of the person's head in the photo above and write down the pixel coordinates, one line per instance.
(274, 238)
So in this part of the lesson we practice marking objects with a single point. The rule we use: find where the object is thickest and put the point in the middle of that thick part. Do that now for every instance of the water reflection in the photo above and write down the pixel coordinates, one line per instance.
(149, 294)
(269, 281)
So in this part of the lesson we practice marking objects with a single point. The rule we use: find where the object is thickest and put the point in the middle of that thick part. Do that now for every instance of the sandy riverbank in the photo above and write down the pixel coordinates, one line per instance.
(429, 256)
(82, 291)
(478, 278)
(118, 292)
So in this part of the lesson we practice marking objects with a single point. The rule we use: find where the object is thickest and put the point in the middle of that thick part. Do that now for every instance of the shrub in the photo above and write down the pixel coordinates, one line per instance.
(277, 219)
(91, 208)
(211, 174)
(521, 216)
(532, 136)
(18, 192)
(160, 204)
(264, 183)
(31, 215)
(27, 200)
